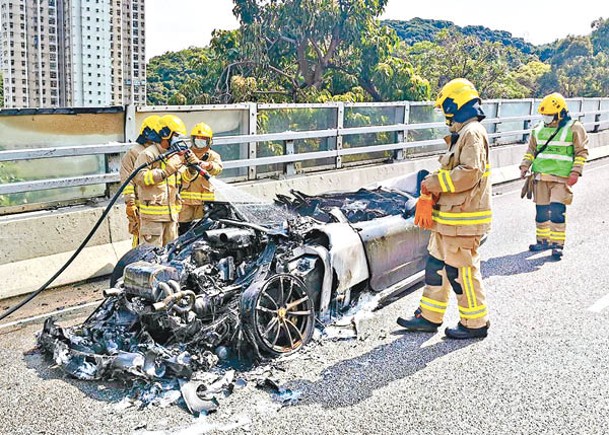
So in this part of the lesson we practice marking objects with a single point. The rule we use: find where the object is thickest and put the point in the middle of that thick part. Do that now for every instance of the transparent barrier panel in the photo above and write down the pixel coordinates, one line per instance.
(510, 110)
(574, 105)
(605, 116)
(29, 129)
(287, 119)
(425, 115)
(490, 110)
(223, 123)
(589, 106)
(368, 117)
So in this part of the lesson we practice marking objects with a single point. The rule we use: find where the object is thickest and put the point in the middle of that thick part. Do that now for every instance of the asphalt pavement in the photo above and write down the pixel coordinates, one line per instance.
(544, 368)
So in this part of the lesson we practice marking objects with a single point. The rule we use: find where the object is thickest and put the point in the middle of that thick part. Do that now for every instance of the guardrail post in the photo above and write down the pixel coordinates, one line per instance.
(496, 126)
(401, 117)
(340, 123)
(131, 130)
(582, 115)
(597, 117)
(527, 122)
(113, 161)
(252, 146)
(288, 150)
(113, 165)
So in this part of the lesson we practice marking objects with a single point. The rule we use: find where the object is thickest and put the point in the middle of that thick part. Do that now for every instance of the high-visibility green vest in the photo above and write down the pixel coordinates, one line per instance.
(557, 158)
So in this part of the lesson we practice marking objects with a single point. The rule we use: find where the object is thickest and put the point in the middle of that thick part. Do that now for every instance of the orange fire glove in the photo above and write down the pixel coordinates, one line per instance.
(133, 215)
(423, 211)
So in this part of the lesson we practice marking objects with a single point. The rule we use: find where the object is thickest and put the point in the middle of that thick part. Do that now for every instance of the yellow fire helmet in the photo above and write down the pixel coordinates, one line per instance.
(553, 104)
(454, 95)
(170, 125)
(202, 135)
(149, 131)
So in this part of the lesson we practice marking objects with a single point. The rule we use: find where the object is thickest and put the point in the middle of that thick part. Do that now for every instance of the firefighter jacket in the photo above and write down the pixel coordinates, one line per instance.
(463, 183)
(127, 167)
(567, 152)
(196, 189)
(156, 189)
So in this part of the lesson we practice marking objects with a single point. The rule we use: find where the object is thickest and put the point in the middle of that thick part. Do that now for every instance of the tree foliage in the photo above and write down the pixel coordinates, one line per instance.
(338, 50)
(419, 30)
(486, 64)
(311, 47)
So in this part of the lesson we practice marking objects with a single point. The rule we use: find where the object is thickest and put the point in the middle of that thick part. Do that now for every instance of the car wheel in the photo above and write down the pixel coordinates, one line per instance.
(139, 253)
(281, 314)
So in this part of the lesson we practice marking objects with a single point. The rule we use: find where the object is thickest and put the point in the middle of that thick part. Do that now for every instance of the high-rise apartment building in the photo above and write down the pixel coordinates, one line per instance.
(73, 53)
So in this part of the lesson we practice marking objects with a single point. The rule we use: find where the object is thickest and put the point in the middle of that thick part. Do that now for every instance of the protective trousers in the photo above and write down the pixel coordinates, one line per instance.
(157, 233)
(551, 199)
(454, 262)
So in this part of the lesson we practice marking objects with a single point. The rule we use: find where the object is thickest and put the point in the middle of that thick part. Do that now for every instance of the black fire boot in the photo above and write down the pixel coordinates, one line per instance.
(557, 252)
(540, 246)
(418, 323)
(461, 332)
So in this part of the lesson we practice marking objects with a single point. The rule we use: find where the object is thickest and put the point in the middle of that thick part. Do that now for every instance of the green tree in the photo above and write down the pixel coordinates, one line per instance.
(486, 64)
(305, 47)
(570, 48)
(600, 35)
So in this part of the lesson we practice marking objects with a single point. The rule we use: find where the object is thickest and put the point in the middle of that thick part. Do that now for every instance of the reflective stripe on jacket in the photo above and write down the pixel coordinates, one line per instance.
(566, 153)
(158, 193)
(196, 189)
(557, 157)
(463, 184)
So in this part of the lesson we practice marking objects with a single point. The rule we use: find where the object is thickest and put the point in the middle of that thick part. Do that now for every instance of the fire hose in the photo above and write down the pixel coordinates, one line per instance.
(176, 148)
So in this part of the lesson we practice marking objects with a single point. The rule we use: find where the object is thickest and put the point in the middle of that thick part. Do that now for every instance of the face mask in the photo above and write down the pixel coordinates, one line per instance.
(548, 119)
(201, 142)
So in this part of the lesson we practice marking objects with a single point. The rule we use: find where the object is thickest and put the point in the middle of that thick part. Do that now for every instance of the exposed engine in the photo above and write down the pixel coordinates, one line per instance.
(174, 313)
(232, 288)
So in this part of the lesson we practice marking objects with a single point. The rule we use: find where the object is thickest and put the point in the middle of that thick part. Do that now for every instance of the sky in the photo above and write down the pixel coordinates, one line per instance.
(190, 22)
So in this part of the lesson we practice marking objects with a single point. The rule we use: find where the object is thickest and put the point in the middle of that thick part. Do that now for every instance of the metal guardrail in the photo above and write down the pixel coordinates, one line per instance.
(289, 158)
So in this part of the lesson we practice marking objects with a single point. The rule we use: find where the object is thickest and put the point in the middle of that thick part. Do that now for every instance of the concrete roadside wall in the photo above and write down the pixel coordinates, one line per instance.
(35, 245)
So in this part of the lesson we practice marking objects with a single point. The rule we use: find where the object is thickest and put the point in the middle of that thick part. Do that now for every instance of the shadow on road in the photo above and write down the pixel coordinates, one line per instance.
(352, 381)
(515, 264)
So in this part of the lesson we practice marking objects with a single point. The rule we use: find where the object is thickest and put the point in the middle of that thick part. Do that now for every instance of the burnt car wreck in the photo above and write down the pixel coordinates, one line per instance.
(242, 289)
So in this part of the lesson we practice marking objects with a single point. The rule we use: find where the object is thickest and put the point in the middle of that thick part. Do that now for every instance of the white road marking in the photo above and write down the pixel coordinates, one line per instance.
(33, 319)
(600, 305)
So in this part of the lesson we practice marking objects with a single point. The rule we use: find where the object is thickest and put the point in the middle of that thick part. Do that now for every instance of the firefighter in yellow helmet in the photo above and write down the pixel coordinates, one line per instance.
(157, 186)
(149, 135)
(557, 152)
(196, 189)
(455, 204)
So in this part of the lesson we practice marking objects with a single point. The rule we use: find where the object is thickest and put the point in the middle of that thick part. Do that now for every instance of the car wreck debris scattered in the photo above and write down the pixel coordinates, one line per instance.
(234, 290)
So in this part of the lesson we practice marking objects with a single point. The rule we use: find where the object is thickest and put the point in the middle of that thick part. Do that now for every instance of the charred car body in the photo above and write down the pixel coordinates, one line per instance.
(248, 281)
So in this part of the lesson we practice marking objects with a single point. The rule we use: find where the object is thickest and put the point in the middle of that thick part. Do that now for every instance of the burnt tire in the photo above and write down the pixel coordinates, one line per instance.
(139, 253)
(280, 314)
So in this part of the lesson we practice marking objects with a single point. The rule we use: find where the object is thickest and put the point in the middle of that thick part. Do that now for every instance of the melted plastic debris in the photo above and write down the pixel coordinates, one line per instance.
(350, 325)
(203, 397)
(283, 395)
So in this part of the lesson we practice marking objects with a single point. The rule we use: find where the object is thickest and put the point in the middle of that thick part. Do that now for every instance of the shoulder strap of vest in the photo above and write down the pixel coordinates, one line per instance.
(566, 129)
